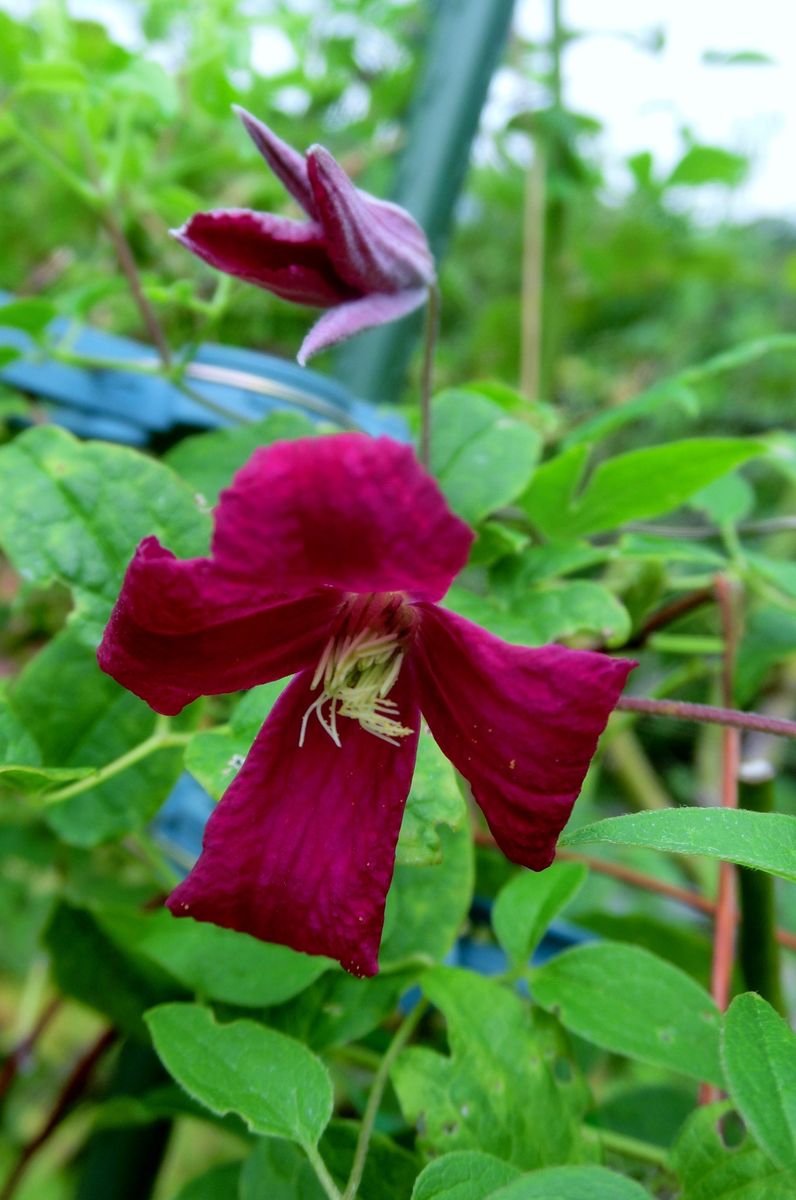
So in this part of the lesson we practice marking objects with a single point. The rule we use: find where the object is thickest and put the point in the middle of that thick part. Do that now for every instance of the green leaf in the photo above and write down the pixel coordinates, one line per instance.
(32, 316)
(209, 460)
(53, 76)
(553, 487)
(463, 1175)
(218, 964)
(37, 780)
(709, 164)
(633, 1003)
(427, 906)
(633, 486)
(274, 1083)
(482, 458)
(147, 80)
(572, 1183)
(390, 1170)
(87, 965)
(82, 718)
(497, 1092)
(215, 756)
(712, 1168)
(550, 612)
(528, 903)
(434, 800)
(75, 512)
(219, 1183)
(766, 841)
(278, 1170)
(728, 499)
(759, 1055)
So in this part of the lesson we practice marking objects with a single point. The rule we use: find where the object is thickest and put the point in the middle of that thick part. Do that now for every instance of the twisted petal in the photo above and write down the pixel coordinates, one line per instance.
(348, 511)
(345, 320)
(181, 629)
(286, 163)
(520, 724)
(301, 848)
(288, 258)
(368, 243)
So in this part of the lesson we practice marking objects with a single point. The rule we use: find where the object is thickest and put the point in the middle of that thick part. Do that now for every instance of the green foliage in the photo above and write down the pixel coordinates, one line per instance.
(528, 903)
(463, 1175)
(274, 1083)
(759, 1056)
(714, 1161)
(766, 841)
(498, 1090)
(648, 1009)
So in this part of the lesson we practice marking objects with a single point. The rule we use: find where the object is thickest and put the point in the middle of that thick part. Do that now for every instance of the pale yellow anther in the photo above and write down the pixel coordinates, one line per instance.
(355, 674)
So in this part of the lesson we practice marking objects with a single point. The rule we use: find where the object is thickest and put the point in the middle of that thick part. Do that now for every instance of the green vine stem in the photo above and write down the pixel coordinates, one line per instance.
(400, 1038)
(160, 740)
(322, 1172)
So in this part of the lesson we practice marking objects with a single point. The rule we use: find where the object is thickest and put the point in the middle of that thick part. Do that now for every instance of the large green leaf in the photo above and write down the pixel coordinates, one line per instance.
(497, 1092)
(273, 1082)
(74, 511)
(572, 1183)
(712, 1168)
(766, 841)
(482, 457)
(629, 1001)
(81, 718)
(219, 1183)
(209, 460)
(215, 756)
(759, 1055)
(463, 1175)
(640, 484)
(434, 800)
(216, 963)
(427, 906)
(548, 612)
(528, 903)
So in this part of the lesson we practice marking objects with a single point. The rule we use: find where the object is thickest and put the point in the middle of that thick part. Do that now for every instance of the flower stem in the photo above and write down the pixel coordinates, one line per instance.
(400, 1038)
(629, 1147)
(322, 1171)
(158, 741)
(429, 345)
(682, 710)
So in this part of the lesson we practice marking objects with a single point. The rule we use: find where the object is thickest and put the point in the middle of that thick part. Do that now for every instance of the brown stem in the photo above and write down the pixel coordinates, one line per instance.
(668, 615)
(648, 883)
(71, 1091)
(130, 268)
(682, 710)
(21, 1052)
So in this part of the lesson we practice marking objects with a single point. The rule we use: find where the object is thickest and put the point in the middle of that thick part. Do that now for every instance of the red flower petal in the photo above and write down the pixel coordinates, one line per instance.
(301, 848)
(344, 320)
(367, 244)
(520, 724)
(288, 258)
(349, 511)
(285, 162)
(180, 629)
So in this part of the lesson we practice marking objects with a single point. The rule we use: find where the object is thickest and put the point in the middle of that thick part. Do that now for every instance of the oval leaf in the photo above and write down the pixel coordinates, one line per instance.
(633, 1003)
(766, 841)
(463, 1175)
(528, 903)
(273, 1082)
(572, 1183)
(759, 1055)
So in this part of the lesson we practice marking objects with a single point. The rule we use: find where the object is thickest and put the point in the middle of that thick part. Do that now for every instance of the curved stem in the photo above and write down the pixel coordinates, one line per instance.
(158, 741)
(630, 1147)
(682, 710)
(429, 345)
(322, 1172)
(401, 1037)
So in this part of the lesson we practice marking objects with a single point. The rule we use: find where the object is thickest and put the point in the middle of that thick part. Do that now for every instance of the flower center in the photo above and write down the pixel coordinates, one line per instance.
(356, 671)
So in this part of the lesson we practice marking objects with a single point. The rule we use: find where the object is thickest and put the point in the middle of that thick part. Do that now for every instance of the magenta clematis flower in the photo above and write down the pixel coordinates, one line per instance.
(329, 556)
(363, 259)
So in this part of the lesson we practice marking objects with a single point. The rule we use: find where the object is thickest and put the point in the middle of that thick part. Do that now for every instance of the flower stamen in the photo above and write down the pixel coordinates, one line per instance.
(355, 673)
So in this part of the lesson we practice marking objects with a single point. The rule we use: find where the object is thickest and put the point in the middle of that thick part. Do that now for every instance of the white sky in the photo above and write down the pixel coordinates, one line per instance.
(644, 100)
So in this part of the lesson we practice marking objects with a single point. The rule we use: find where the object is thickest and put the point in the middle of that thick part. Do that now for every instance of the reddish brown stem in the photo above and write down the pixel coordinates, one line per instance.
(648, 882)
(71, 1091)
(668, 615)
(681, 710)
(21, 1052)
